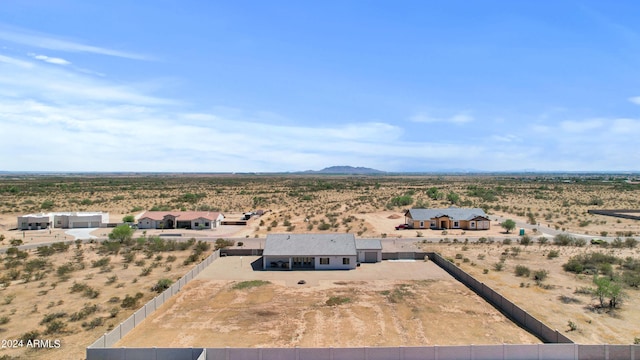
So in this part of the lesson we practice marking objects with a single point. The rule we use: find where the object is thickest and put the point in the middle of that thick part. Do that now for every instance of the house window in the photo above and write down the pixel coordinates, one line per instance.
(473, 224)
(345, 261)
(433, 223)
(206, 224)
(324, 261)
(421, 224)
(195, 224)
(456, 224)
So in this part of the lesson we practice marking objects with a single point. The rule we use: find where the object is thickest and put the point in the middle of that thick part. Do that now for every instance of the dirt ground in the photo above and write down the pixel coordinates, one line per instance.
(25, 304)
(557, 302)
(388, 304)
(354, 204)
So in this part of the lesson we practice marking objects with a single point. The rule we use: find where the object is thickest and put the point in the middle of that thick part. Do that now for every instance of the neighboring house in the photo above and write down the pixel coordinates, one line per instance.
(179, 220)
(63, 220)
(448, 218)
(369, 250)
(310, 251)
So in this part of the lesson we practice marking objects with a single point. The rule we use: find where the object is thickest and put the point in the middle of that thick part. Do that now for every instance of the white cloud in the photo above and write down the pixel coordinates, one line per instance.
(51, 60)
(45, 41)
(460, 118)
(581, 126)
(635, 100)
(505, 138)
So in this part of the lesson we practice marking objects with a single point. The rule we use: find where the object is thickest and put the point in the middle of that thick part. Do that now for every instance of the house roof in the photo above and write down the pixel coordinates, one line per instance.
(180, 215)
(454, 213)
(368, 244)
(310, 245)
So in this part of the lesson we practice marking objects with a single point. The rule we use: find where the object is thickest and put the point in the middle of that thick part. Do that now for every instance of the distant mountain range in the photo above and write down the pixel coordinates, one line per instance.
(350, 170)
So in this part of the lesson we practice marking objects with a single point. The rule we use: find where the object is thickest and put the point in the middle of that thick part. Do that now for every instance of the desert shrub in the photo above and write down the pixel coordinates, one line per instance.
(60, 246)
(589, 262)
(47, 318)
(55, 327)
(140, 262)
(337, 300)
(630, 242)
(400, 201)
(100, 262)
(499, 266)
(146, 271)
(35, 264)
(542, 240)
(552, 254)
(44, 251)
(161, 285)
(112, 279)
(30, 336)
(540, 275)
(522, 270)
(563, 240)
(249, 284)
(131, 302)
(220, 244)
(580, 242)
(525, 240)
(78, 287)
(171, 258)
(93, 323)
(324, 226)
(86, 310)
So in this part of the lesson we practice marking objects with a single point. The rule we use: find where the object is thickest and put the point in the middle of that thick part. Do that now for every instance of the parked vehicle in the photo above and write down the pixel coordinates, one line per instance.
(403, 226)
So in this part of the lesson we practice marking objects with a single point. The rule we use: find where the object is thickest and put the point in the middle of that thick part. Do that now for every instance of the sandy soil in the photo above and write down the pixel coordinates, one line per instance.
(359, 205)
(389, 304)
(617, 327)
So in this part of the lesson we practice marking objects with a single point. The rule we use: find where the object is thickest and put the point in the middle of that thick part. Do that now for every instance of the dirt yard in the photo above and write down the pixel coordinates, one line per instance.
(558, 299)
(384, 304)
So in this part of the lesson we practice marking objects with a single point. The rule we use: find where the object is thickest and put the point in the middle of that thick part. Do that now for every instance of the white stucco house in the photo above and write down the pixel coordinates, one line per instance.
(179, 220)
(310, 252)
(63, 220)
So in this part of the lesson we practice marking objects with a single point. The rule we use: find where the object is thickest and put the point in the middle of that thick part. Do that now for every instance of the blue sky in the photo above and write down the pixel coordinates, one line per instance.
(211, 86)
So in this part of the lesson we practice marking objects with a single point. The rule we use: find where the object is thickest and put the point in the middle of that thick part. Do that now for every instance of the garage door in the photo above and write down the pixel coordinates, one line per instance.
(370, 257)
(81, 224)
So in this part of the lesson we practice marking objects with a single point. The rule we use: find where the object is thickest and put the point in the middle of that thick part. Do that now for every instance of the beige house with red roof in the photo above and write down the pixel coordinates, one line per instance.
(179, 220)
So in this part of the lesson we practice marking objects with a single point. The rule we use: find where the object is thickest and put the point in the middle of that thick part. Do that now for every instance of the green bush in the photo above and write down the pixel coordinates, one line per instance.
(522, 270)
(161, 285)
(552, 254)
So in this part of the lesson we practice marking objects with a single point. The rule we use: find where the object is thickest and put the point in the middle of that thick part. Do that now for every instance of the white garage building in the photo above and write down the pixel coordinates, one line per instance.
(63, 220)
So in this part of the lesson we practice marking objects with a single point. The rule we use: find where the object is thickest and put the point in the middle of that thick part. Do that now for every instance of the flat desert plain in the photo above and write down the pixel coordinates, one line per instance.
(33, 295)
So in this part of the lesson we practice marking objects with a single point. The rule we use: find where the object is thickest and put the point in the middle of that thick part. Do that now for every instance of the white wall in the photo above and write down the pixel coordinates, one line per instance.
(335, 263)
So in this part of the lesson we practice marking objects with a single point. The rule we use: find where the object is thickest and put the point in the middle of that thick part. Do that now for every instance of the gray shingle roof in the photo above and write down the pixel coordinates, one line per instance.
(368, 244)
(453, 212)
(310, 244)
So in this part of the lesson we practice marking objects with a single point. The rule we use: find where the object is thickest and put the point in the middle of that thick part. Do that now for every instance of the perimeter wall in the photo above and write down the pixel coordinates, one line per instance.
(558, 346)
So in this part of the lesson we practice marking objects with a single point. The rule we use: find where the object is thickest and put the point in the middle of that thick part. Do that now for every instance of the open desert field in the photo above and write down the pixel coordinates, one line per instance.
(368, 206)
(384, 304)
(562, 296)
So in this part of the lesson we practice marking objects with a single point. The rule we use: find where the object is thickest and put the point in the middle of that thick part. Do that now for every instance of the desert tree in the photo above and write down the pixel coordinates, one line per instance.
(508, 225)
(121, 233)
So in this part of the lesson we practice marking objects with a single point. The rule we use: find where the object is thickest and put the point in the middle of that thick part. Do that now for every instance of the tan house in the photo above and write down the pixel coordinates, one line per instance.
(179, 220)
(448, 218)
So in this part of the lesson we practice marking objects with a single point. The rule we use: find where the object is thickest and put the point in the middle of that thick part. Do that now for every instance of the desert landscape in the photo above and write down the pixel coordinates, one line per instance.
(69, 292)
